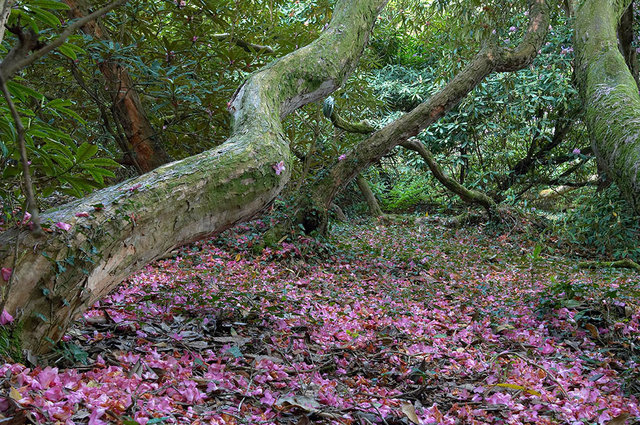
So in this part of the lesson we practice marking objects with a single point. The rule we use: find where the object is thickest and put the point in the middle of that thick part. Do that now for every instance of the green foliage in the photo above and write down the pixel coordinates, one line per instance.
(406, 189)
(601, 221)
(58, 162)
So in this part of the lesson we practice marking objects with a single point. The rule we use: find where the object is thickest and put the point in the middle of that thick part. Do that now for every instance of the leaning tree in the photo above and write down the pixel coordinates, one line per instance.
(101, 239)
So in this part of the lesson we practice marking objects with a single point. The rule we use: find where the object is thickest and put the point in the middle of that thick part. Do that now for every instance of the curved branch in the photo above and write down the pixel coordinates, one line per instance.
(467, 195)
(490, 59)
(247, 46)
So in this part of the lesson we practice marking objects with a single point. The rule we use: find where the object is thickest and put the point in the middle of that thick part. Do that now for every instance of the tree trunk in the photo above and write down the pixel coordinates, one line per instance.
(372, 202)
(128, 225)
(5, 11)
(610, 94)
(148, 151)
(312, 214)
(625, 37)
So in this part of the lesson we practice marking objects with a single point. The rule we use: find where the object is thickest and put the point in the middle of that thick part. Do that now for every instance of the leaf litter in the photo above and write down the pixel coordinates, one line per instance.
(381, 324)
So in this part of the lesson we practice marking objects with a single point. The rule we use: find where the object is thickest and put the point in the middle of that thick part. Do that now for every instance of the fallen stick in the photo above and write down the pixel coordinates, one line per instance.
(620, 264)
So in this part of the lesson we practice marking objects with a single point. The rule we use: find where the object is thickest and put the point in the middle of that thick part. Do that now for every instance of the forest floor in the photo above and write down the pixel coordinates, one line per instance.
(380, 323)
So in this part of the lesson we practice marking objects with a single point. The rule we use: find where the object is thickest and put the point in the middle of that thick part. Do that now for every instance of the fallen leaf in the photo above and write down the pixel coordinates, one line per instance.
(15, 394)
(592, 329)
(410, 412)
(519, 388)
(305, 403)
(621, 419)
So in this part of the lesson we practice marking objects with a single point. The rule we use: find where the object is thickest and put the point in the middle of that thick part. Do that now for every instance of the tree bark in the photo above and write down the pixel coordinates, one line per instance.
(5, 11)
(313, 213)
(128, 225)
(372, 202)
(610, 94)
(145, 143)
(625, 37)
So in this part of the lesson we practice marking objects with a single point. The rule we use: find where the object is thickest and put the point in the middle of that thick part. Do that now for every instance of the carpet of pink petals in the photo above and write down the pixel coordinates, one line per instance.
(382, 324)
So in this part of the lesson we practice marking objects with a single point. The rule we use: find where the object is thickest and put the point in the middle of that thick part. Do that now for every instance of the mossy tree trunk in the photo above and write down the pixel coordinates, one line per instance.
(312, 212)
(58, 276)
(625, 36)
(610, 94)
(372, 202)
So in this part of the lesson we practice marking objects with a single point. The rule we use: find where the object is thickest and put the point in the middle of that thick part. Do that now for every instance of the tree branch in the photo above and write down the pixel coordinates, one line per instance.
(247, 46)
(467, 195)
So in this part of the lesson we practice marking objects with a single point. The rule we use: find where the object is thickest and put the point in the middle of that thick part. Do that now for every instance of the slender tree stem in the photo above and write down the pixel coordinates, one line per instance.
(32, 206)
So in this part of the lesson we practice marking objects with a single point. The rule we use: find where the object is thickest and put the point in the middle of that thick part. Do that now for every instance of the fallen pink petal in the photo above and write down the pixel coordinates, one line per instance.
(63, 226)
(6, 274)
(5, 318)
(279, 168)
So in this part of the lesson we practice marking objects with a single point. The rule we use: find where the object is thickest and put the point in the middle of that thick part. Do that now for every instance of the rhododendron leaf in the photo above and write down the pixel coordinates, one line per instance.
(235, 351)
(519, 388)
(15, 394)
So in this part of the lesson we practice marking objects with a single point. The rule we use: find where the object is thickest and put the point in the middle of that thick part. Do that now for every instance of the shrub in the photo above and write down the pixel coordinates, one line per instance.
(602, 221)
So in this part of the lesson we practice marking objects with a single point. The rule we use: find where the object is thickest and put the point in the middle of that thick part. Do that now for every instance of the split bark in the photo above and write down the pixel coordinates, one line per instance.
(145, 144)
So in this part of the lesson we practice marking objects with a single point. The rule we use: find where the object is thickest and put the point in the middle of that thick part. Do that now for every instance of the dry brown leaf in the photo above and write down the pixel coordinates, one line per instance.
(410, 412)
(592, 329)
(621, 419)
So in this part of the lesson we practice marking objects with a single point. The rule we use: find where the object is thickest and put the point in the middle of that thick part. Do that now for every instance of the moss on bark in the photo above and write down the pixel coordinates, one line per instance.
(610, 94)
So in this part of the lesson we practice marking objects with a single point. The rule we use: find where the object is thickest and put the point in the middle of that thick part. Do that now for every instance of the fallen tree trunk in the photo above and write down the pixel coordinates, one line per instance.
(101, 239)
(610, 94)
(312, 213)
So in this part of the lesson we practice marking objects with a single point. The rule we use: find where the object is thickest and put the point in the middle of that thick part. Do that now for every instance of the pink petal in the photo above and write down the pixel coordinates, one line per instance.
(279, 168)
(82, 214)
(5, 318)
(63, 226)
(6, 274)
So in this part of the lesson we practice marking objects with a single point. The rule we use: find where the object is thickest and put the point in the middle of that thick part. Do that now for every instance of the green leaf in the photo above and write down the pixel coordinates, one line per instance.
(22, 92)
(235, 351)
(85, 151)
(49, 4)
(68, 51)
(45, 16)
(102, 162)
